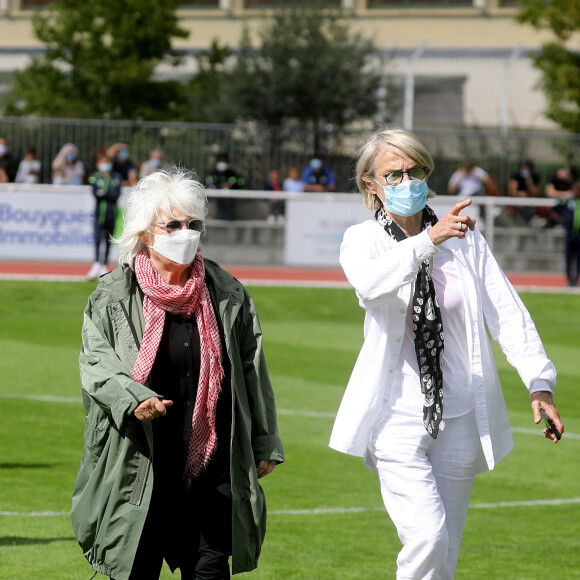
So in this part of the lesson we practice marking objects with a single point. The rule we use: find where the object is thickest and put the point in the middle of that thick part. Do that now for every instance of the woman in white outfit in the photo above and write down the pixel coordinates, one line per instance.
(424, 405)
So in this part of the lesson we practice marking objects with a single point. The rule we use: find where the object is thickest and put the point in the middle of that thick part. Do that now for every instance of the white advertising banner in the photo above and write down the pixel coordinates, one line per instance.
(315, 225)
(47, 223)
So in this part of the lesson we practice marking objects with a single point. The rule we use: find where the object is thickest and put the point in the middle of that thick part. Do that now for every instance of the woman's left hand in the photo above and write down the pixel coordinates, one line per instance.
(544, 400)
(265, 468)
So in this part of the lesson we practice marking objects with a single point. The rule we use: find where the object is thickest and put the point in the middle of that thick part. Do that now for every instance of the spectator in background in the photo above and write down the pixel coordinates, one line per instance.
(524, 183)
(276, 205)
(293, 183)
(318, 177)
(569, 213)
(67, 161)
(58, 177)
(120, 153)
(8, 164)
(29, 168)
(153, 164)
(470, 180)
(224, 177)
(106, 187)
(562, 184)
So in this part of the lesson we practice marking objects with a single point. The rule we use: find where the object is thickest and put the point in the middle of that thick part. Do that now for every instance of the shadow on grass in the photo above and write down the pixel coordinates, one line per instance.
(27, 465)
(17, 541)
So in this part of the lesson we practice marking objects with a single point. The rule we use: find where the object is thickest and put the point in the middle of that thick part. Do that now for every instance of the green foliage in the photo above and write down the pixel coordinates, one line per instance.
(560, 67)
(209, 96)
(311, 68)
(99, 61)
(562, 17)
(311, 340)
(308, 68)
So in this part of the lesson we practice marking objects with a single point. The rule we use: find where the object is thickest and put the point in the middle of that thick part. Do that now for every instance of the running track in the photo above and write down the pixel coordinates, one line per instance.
(266, 275)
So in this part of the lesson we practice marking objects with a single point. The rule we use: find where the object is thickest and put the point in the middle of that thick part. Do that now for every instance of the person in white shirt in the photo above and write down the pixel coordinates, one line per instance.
(424, 405)
(29, 168)
(470, 180)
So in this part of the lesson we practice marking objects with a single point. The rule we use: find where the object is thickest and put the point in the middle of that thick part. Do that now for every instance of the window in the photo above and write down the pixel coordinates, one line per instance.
(200, 4)
(287, 3)
(31, 4)
(418, 3)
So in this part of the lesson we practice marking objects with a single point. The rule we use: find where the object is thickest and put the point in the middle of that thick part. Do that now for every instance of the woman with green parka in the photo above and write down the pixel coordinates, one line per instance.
(180, 414)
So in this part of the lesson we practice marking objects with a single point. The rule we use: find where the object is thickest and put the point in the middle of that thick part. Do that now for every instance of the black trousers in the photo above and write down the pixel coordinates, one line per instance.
(103, 233)
(193, 534)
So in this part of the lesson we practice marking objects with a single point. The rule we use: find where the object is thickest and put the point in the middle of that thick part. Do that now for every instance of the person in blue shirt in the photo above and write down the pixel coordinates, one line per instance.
(106, 187)
(120, 153)
(317, 177)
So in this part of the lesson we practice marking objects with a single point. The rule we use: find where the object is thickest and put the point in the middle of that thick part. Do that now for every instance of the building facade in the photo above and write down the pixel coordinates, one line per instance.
(449, 63)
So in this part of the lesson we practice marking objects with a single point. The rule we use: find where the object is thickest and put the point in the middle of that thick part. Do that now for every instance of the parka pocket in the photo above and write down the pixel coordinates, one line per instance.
(97, 432)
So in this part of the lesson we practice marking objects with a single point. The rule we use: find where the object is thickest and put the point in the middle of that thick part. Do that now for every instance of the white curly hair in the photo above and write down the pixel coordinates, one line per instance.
(164, 191)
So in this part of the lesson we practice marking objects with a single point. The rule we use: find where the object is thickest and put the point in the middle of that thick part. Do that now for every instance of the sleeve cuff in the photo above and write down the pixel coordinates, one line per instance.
(540, 385)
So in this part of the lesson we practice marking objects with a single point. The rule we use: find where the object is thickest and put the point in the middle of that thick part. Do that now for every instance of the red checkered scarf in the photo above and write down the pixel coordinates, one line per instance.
(193, 298)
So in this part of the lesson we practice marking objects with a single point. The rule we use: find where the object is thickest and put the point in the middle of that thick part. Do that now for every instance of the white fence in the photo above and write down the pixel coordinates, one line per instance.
(55, 223)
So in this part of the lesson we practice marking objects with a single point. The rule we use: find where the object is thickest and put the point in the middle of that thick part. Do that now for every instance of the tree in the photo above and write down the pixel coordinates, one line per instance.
(99, 61)
(209, 98)
(560, 67)
(309, 68)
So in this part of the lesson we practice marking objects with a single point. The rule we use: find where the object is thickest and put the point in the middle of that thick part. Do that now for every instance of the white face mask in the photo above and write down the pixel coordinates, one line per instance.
(179, 247)
(221, 166)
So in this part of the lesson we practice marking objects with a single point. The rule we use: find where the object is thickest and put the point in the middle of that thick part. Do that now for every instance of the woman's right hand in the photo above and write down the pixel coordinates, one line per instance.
(152, 408)
(448, 226)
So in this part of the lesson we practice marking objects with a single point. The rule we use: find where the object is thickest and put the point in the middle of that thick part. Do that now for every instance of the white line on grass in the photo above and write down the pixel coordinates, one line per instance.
(46, 398)
(354, 510)
(287, 412)
(43, 514)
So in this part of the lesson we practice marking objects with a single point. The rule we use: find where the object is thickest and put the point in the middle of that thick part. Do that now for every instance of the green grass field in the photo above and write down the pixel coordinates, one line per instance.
(326, 517)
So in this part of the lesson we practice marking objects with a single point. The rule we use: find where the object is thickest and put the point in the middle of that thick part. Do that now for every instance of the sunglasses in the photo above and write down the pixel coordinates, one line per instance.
(415, 174)
(176, 225)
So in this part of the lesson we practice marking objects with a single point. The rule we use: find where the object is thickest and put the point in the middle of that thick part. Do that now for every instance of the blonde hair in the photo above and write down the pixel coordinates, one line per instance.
(383, 140)
(161, 192)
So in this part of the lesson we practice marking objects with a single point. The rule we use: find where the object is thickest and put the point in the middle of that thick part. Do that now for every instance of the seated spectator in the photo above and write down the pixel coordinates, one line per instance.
(524, 183)
(58, 177)
(470, 180)
(67, 161)
(153, 164)
(8, 164)
(120, 153)
(318, 177)
(29, 168)
(224, 177)
(562, 184)
(293, 183)
(276, 205)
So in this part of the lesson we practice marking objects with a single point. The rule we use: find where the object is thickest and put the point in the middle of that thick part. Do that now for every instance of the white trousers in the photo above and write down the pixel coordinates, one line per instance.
(426, 485)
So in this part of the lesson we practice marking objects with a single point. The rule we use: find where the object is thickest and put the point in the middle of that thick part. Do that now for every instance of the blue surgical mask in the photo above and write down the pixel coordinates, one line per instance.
(105, 167)
(407, 198)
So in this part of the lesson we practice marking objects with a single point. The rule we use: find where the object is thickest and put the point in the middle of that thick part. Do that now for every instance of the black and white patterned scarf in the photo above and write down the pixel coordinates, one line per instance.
(427, 327)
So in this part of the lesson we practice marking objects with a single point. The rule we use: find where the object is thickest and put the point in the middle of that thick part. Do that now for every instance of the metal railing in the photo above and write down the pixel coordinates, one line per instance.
(254, 150)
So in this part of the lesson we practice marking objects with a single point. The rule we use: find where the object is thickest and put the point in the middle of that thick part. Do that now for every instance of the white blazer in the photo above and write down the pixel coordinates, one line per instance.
(381, 271)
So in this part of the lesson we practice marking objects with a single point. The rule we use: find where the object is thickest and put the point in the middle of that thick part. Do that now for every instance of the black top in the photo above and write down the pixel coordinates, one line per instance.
(175, 374)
